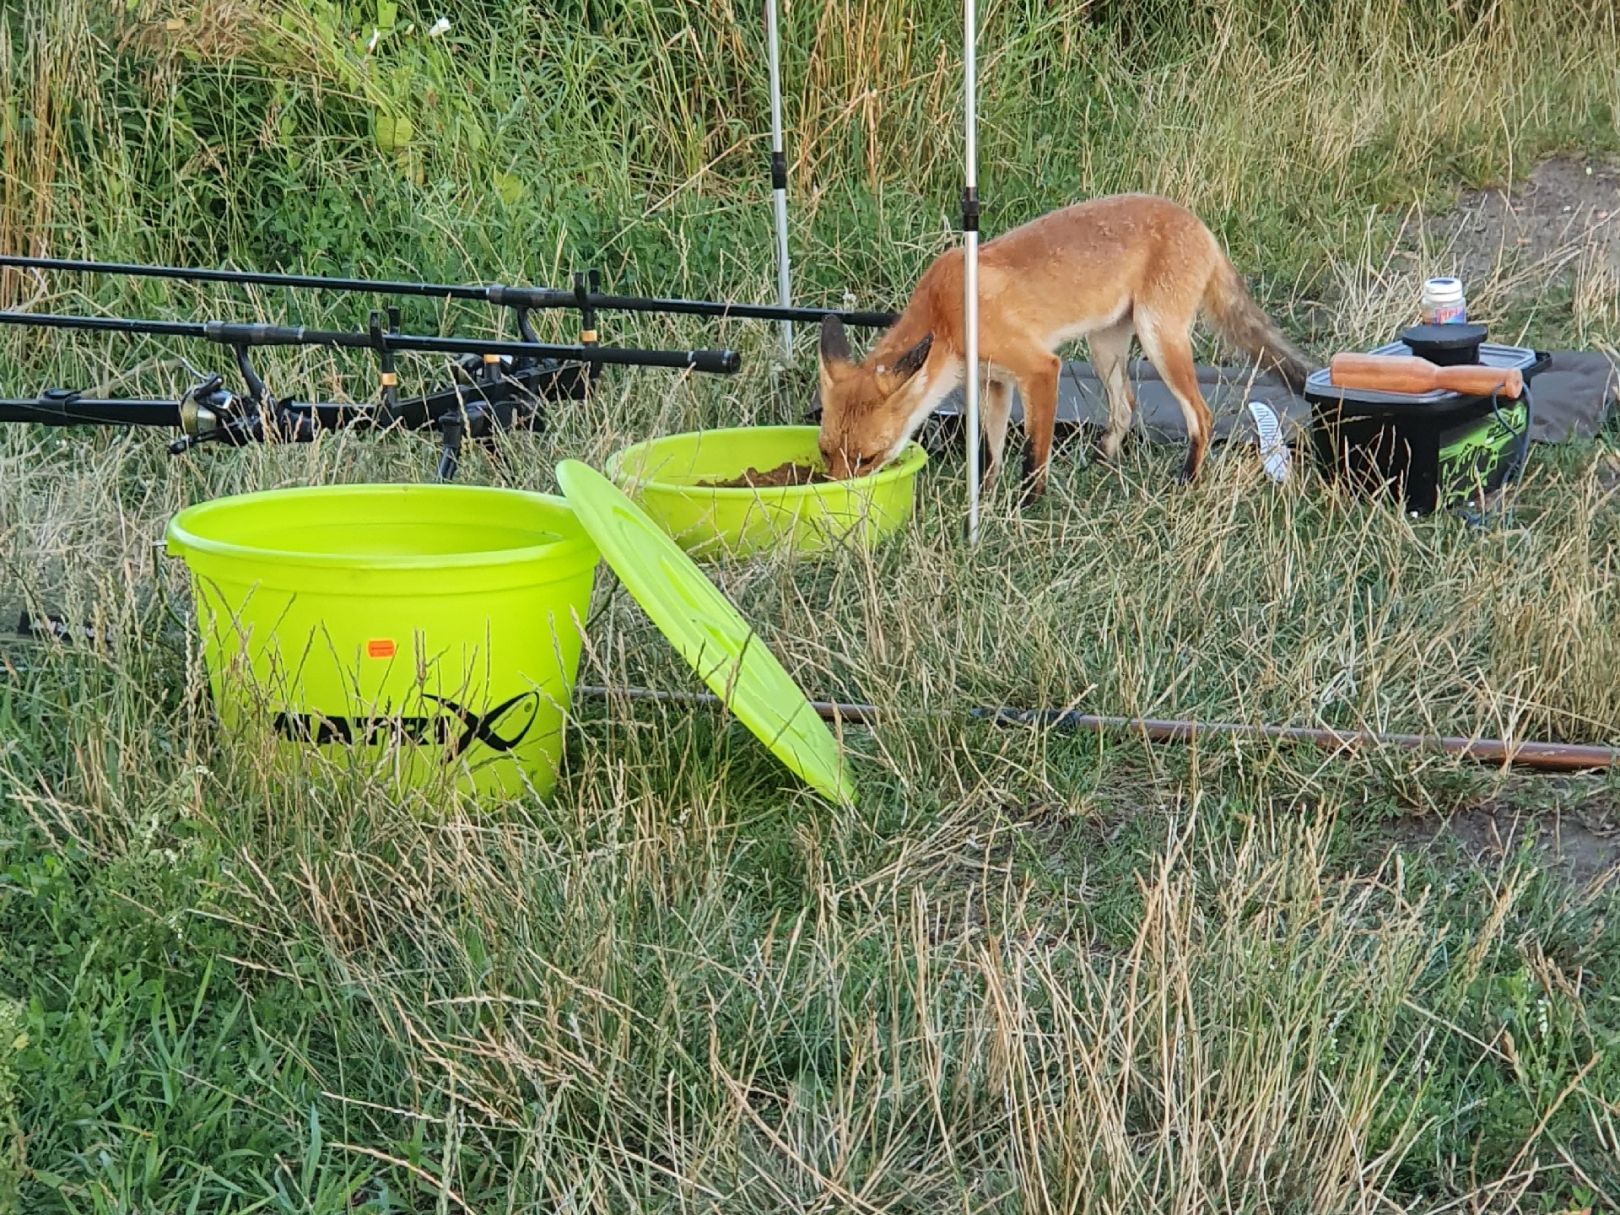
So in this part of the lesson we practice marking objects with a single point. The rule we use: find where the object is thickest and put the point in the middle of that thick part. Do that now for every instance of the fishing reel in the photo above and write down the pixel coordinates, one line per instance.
(212, 413)
(486, 395)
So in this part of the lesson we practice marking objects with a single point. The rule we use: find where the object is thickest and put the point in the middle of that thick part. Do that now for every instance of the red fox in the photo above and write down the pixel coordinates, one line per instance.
(1105, 270)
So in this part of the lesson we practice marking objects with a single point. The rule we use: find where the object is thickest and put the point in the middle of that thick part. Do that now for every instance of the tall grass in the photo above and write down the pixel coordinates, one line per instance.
(1032, 971)
(633, 136)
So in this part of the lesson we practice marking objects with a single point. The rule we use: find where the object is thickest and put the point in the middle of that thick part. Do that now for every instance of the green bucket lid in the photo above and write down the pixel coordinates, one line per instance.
(706, 630)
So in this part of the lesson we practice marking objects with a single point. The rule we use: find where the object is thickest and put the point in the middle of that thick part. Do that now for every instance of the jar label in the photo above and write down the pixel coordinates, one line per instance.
(1446, 314)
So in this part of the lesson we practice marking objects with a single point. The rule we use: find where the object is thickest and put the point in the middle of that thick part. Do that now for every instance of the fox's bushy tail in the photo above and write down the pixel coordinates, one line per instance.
(1239, 320)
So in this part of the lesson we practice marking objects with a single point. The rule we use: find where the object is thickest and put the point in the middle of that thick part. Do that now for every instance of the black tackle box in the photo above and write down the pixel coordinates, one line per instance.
(1439, 449)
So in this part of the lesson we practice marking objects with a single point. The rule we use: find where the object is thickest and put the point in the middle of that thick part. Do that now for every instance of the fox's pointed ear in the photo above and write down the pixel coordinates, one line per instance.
(834, 341)
(909, 363)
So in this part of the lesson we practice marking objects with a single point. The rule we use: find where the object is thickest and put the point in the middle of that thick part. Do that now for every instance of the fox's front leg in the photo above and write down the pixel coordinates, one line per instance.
(1039, 387)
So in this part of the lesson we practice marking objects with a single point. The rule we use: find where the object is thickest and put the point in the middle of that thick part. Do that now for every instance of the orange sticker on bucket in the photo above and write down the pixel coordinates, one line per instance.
(380, 649)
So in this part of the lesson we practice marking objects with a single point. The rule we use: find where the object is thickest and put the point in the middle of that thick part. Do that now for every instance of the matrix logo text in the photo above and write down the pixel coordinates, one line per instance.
(455, 731)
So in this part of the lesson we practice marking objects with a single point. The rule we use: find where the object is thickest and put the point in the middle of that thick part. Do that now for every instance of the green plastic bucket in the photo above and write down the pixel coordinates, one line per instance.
(663, 476)
(429, 631)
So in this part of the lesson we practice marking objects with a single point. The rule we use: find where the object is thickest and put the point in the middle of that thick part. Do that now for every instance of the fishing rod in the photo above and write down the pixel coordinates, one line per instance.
(211, 413)
(523, 299)
(498, 384)
(238, 334)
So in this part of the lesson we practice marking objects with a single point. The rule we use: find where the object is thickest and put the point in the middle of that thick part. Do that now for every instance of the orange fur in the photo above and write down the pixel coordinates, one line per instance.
(1105, 270)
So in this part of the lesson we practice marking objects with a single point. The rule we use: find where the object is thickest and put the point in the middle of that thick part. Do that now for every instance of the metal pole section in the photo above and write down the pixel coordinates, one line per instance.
(970, 264)
(784, 284)
(1544, 756)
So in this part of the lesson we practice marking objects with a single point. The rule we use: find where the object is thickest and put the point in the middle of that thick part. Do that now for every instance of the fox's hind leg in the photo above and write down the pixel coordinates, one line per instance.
(1169, 348)
(1110, 348)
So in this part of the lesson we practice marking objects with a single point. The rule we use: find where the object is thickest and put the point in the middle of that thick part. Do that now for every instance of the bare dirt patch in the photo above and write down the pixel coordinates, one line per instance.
(1540, 261)
(1565, 213)
(1582, 841)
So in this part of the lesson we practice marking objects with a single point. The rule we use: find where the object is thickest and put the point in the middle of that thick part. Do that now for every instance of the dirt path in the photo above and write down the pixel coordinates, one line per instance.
(1565, 214)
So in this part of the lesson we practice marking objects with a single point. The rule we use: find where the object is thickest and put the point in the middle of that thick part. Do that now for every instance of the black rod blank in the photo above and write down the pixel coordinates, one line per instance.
(226, 333)
(70, 409)
(515, 297)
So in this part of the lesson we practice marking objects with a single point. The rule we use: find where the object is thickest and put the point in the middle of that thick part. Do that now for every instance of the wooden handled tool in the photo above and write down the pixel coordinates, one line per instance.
(1408, 373)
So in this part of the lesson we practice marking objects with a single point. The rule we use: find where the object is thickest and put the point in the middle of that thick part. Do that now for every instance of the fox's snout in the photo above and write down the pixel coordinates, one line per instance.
(843, 464)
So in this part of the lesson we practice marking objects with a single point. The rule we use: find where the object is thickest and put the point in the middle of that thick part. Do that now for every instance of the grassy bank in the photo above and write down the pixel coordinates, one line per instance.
(1032, 970)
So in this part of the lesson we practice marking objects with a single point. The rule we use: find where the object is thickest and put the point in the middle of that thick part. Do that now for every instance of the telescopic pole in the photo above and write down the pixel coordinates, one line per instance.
(784, 283)
(970, 263)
